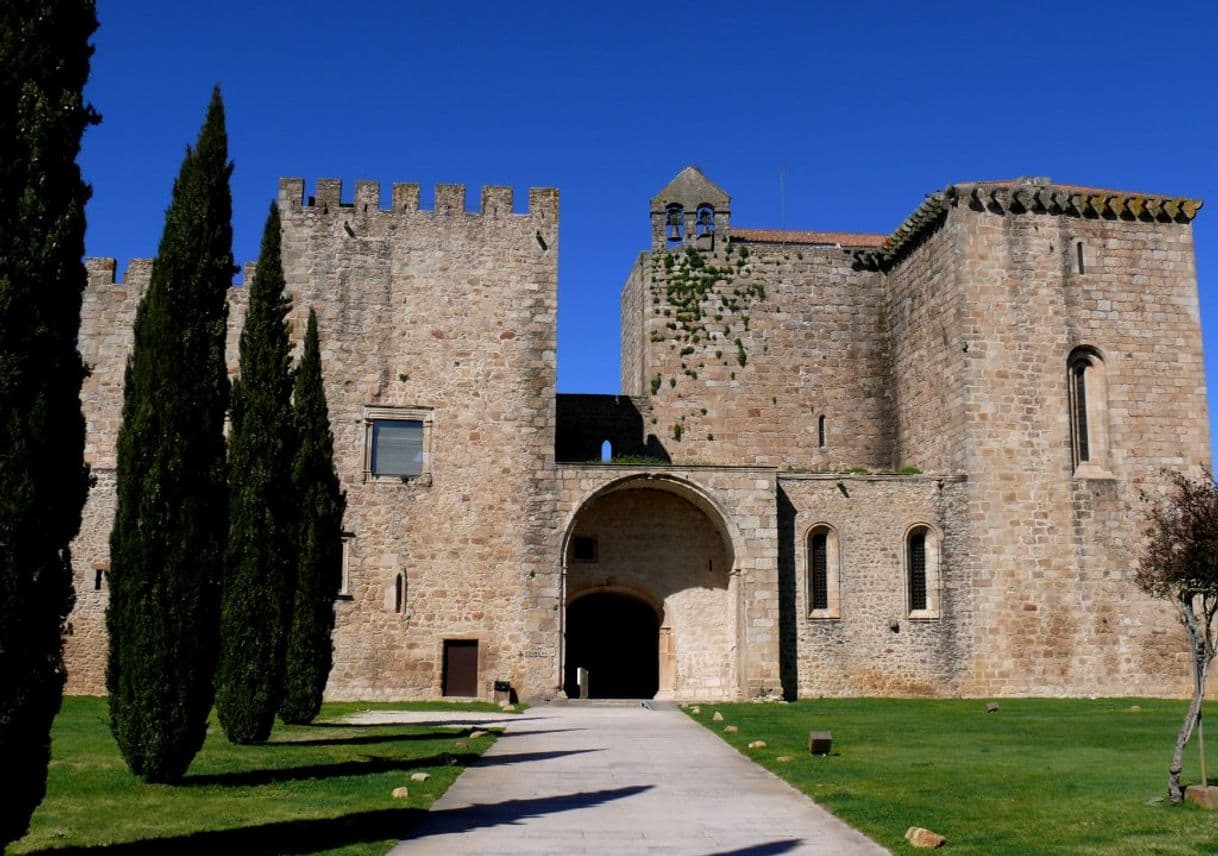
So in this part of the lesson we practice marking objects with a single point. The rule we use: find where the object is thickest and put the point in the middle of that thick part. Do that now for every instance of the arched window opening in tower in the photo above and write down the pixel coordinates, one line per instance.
(674, 219)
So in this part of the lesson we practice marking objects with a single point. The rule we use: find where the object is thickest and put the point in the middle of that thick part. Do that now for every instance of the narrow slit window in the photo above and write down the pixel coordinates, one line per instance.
(820, 432)
(1080, 412)
(1078, 257)
(818, 561)
(344, 588)
(917, 570)
(399, 593)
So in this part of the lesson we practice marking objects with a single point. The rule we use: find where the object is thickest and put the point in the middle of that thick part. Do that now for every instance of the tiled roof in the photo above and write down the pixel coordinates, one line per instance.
(1019, 196)
(784, 236)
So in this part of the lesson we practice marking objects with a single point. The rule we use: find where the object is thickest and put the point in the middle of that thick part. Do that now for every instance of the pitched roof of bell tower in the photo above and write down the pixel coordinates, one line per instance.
(691, 188)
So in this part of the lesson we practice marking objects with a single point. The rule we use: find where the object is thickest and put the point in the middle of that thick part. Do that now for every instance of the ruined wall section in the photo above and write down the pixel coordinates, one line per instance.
(873, 646)
(747, 347)
(585, 422)
(451, 313)
(106, 335)
(925, 325)
(633, 355)
(1053, 548)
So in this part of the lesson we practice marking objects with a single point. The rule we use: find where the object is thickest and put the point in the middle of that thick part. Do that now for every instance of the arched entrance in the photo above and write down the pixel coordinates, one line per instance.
(650, 596)
(616, 638)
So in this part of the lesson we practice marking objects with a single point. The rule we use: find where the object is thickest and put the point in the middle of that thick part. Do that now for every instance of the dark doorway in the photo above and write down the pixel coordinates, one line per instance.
(617, 639)
(460, 667)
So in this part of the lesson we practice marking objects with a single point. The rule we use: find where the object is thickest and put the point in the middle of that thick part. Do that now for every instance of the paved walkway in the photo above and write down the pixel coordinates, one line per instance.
(623, 780)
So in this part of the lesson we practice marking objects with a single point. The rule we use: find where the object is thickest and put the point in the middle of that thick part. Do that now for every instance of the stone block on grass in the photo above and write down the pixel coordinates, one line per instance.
(919, 837)
(1204, 796)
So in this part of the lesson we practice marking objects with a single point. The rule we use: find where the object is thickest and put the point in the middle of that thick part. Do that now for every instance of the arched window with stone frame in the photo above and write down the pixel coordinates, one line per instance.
(822, 556)
(1087, 391)
(923, 581)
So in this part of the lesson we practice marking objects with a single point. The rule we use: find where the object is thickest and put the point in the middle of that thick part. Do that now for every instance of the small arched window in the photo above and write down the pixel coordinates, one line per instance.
(606, 452)
(824, 572)
(704, 222)
(674, 224)
(1087, 391)
(922, 571)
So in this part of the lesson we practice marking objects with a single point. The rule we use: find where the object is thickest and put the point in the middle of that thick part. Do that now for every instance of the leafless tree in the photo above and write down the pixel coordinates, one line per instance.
(1179, 564)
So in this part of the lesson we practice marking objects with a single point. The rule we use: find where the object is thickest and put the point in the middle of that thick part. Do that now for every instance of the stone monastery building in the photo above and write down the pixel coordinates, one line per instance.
(857, 464)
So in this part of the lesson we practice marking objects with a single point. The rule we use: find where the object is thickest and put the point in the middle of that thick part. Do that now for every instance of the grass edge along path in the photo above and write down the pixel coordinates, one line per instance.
(1038, 776)
(321, 788)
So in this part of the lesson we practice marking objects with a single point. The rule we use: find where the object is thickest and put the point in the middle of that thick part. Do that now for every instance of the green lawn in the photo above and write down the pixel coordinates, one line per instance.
(322, 788)
(1040, 776)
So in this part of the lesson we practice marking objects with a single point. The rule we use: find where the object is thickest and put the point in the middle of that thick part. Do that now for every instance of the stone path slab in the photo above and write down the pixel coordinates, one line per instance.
(623, 780)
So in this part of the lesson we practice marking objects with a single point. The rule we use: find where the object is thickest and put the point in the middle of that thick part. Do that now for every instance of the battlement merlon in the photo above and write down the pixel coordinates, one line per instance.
(103, 271)
(496, 201)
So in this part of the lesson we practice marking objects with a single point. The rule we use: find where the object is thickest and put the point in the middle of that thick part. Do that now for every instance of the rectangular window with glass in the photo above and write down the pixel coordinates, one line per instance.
(397, 447)
(397, 443)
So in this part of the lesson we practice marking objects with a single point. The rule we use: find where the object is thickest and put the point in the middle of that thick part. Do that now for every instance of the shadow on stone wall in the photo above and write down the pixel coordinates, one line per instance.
(585, 422)
(788, 642)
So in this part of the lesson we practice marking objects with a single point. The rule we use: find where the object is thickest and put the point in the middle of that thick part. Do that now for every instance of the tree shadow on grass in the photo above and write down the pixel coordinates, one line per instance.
(365, 739)
(367, 766)
(364, 767)
(311, 836)
(457, 721)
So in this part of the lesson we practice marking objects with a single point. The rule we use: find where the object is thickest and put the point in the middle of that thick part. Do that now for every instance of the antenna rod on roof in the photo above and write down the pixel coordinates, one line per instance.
(782, 203)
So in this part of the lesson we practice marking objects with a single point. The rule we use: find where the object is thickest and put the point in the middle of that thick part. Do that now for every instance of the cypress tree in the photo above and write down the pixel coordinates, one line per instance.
(170, 525)
(256, 596)
(44, 63)
(319, 541)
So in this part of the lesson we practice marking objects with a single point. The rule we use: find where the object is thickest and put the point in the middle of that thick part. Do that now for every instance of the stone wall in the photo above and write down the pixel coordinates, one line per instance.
(873, 646)
(924, 306)
(632, 330)
(745, 348)
(1053, 547)
(448, 312)
(453, 313)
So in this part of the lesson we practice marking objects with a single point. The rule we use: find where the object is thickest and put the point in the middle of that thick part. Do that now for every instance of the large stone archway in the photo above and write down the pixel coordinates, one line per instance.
(664, 547)
(616, 637)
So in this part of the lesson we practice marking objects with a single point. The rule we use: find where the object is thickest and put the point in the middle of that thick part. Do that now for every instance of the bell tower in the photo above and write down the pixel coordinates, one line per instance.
(691, 211)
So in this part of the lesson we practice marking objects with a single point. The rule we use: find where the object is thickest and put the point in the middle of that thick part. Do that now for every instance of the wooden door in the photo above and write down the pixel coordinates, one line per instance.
(460, 667)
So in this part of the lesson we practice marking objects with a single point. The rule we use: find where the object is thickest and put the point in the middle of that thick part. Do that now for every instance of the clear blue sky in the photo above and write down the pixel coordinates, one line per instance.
(867, 106)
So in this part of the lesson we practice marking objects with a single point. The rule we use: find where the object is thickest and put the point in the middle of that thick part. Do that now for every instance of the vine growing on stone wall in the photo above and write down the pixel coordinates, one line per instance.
(706, 301)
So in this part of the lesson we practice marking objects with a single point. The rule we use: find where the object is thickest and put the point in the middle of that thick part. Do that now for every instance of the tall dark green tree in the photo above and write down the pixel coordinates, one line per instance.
(171, 523)
(44, 63)
(259, 570)
(319, 541)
